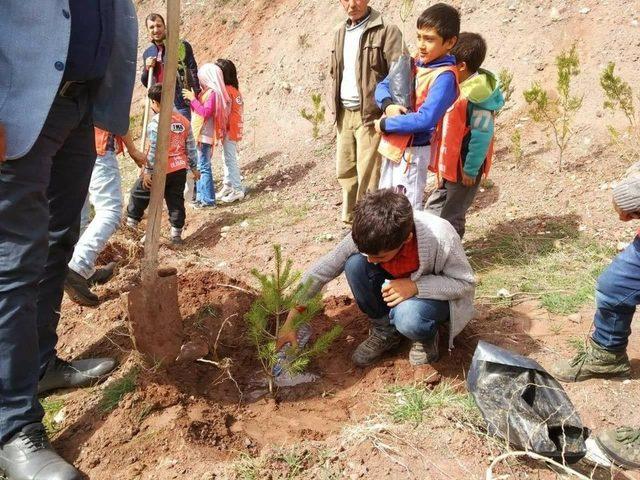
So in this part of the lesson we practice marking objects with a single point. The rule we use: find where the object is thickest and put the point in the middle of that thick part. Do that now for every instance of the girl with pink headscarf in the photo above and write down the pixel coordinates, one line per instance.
(210, 113)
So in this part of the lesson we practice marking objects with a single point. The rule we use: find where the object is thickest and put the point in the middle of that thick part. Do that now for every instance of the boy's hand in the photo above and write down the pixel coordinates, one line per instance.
(138, 157)
(376, 125)
(625, 216)
(395, 110)
(188, 94)
(196, 174)
(147, 180)
(287, 333)
(468, 181)
(399, 290)
(150, 62)
(3, 144)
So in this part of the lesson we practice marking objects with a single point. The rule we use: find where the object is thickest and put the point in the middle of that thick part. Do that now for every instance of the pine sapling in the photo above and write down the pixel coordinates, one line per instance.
(516, 144)
(557, 113)
(505, 79)
(317, 116)
(619, 95)
(280, 292)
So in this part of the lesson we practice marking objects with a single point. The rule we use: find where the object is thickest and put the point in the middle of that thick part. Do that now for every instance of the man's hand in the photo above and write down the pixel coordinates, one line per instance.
(395, 110)
(3, 144)
(147, 180)
(196, 174)
(189, 94)
(468, 181)
(150, 62)
(138, 157)
(287, 333)
(376, 125)
(399, 290)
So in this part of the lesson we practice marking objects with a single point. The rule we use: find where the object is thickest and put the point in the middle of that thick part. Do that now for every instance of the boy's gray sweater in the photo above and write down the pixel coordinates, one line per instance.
(444, 272)
(626, 193)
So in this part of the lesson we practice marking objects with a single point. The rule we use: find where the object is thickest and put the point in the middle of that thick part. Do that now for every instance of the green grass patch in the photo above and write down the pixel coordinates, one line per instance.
(560, 266)
(117, 390)
(52, 406)
(414, 403)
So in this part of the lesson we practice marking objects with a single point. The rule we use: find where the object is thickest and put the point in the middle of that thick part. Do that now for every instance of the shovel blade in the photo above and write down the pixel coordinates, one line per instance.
(155, 323)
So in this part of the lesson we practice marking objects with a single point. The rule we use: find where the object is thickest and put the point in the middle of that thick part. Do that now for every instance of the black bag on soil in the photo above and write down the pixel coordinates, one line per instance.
(525, 405)
(401, 81)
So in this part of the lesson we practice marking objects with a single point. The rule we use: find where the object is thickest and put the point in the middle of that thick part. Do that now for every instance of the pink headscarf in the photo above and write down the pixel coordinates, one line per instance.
(210, 76)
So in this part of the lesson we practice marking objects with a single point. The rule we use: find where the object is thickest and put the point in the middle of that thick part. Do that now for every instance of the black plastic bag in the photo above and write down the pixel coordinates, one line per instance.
(401, 82)
(525, 405)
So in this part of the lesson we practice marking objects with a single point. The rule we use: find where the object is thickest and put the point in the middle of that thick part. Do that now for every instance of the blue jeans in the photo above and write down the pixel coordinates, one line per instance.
(415, 318)
(206, 191)
(230, 162)
(41, 195)
(617, 295)
(105, 194)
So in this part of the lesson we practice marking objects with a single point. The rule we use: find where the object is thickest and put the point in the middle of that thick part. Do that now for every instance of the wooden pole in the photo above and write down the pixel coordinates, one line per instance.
(152, 241)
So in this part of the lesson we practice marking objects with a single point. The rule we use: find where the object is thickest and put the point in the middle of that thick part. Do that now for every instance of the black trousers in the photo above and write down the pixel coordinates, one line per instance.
(41, 196)
(173, 196)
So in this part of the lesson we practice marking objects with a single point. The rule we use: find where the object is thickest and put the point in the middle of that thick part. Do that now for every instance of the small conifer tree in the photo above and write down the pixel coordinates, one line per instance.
(557, 113)
(280, 292)
(505, 80)
(619, 94)
(317, 116)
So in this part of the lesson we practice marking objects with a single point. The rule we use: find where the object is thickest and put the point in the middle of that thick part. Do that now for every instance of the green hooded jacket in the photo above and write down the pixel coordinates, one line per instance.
(482, 90)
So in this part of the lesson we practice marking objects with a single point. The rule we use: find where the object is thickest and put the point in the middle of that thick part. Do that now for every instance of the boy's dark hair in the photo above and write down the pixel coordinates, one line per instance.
(155, 92)
(229, 72)
(382, 221)
(443, 18)
(470, 49)
(153, 17)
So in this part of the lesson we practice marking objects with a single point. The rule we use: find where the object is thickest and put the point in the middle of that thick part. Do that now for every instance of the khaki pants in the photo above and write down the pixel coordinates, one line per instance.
(358, 161)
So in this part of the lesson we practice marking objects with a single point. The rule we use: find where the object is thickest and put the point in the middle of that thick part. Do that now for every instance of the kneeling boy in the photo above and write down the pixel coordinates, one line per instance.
(408, 272)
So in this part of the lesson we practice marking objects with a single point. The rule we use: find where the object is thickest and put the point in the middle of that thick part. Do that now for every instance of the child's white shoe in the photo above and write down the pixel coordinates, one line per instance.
(226, 190)
(234, 196)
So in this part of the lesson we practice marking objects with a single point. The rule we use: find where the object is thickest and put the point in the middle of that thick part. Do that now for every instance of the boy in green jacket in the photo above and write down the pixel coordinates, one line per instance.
(466, 146)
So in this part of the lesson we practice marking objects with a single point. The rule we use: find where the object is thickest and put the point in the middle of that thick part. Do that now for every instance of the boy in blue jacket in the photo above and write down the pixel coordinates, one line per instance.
(436, 87)
(466, 148)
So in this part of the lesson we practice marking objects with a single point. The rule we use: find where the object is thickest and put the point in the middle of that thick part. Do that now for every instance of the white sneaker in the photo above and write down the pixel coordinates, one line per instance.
(132, 223)
(234, 196)
(226, 190)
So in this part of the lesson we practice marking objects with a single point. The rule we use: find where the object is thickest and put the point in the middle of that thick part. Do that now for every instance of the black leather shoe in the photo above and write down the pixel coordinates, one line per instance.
(77, 288)
(30, 456)
(80, 373)
(104, 274)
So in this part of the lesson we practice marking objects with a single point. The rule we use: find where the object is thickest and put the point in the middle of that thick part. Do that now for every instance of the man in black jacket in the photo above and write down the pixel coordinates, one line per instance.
(153, 56)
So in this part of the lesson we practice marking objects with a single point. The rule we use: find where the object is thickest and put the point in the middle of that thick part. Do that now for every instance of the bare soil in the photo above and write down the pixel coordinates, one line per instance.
(194, 420)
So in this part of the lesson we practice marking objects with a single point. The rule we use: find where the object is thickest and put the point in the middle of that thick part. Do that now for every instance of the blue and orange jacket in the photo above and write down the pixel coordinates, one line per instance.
(441, 94)
(465, 140)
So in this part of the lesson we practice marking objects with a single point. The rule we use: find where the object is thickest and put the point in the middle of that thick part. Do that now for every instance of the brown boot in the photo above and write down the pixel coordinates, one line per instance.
(593, 362)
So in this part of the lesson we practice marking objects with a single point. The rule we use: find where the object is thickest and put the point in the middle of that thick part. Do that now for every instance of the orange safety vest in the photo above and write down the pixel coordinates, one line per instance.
(446, 153)
(102, 138)
(178, 157)
(393, 145)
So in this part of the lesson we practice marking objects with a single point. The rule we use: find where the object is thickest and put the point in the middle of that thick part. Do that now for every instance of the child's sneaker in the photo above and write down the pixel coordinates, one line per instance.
(201, 205)
(176, 236)
(424, 351)
(132, 223)
(380, 340)
(234, 196)
(226, 190)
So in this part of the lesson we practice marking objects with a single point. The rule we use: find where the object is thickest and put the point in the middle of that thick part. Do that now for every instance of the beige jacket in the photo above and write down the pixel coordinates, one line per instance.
(380, 46)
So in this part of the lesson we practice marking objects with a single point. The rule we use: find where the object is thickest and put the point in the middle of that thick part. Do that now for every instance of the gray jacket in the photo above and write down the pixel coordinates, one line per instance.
(34, 36)
(444, 272)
